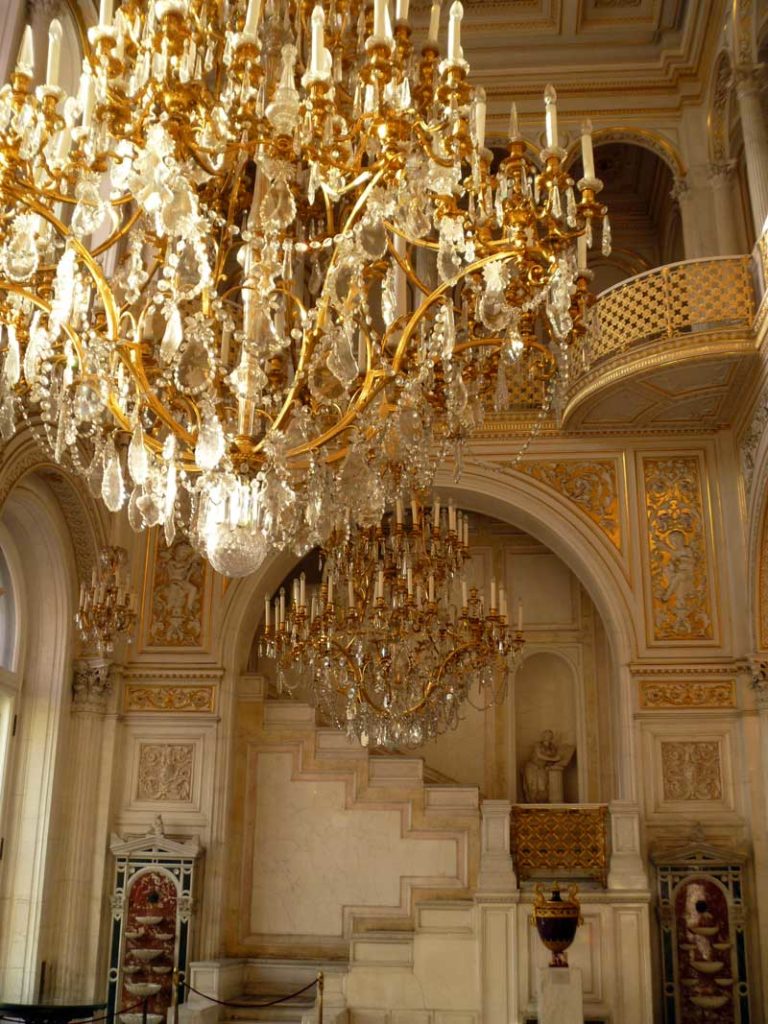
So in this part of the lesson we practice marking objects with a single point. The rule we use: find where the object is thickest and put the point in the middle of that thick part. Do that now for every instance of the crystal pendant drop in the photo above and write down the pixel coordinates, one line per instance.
(173, 336)
(112, 487)
(138, 460)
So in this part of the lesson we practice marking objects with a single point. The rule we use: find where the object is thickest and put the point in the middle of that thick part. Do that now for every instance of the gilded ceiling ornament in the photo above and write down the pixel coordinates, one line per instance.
(592, 486)
(658, 695)
(677, 549)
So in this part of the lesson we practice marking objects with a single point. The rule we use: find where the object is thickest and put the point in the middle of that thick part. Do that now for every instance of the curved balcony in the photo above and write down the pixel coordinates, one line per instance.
(698, 311)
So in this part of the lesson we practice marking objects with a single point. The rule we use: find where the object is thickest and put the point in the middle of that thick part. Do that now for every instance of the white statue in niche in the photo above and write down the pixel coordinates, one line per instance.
(543, 771)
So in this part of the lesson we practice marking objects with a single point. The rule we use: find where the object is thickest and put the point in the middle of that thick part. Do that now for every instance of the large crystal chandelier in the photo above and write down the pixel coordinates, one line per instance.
(395, 642)
(260, 271)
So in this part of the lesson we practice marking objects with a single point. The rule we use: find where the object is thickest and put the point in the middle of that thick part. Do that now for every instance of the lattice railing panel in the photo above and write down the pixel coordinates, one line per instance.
(547, 840)
(679, 299)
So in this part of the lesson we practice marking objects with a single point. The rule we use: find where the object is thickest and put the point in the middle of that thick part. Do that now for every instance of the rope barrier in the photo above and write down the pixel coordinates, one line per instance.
(80, 1020)
(254, 1006)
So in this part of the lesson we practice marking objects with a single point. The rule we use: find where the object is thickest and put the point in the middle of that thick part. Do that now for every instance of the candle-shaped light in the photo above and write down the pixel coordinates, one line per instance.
(87, 97)
(317, 53)
(451, 516)
(25, 63)
(431, 586)
(493, 594)
(330, 590)
(54, 54)
(282, 605)
(436, 513)
(519, 615)
(502, 601)
(455, 52)
(105, 13)
(252, 15)
(380, 19)
(350, 594)
(303, 590)
(401, 10)
(587, 152)
(295, 592)
(267, 612)
(434, 24)
(399, 511)
(380, 585)
(415, 512)
(409, 579)
(466, 532)
(481, 109)
(581, 252)
(464, 601)
(514, 123)
(550, 103)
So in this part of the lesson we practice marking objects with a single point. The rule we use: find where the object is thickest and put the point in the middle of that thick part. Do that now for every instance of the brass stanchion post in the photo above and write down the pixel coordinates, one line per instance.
(320, 988)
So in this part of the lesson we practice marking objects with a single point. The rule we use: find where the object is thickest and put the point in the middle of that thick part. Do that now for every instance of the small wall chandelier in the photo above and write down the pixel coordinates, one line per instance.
(259, 272)
(395, 643)
(107, 609)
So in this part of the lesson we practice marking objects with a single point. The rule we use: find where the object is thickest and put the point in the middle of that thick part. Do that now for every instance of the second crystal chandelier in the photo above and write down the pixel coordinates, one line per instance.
(395, 642)
(260, 272)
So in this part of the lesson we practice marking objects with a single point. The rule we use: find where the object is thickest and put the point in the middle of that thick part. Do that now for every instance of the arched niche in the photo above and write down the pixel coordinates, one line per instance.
(547, 696)
(488, 749)
(639, 183)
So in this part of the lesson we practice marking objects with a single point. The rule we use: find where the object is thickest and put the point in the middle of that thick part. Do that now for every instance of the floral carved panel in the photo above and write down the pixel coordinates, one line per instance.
(139, 697)
(657, 695)
(175, 596)
(680, 584)
(165, 772)
(691, 770)
(592, 486)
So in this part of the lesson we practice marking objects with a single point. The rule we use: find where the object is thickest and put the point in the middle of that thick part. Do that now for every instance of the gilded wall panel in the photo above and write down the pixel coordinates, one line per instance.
(175, 596)
(140, 697)
(661, 695)
(590, 485)
(680, 583)
(691, 770)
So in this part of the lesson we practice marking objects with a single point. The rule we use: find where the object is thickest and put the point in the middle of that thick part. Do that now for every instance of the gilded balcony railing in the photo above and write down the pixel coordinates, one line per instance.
(548, 840)
(697, 296)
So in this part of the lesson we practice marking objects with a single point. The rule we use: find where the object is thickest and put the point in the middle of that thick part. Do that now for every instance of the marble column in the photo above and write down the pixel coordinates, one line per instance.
(83, 841)
(721, 179)
(748, 82)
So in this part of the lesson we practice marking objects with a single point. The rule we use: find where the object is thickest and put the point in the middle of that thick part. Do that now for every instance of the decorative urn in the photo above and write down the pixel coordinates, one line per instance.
(556, 921)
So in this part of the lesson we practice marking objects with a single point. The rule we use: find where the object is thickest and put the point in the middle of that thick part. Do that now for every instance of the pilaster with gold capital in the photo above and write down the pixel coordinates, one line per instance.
(91, 685)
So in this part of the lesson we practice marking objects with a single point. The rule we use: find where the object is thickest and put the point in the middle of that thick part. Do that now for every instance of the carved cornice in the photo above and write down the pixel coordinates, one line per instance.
(139, 672)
